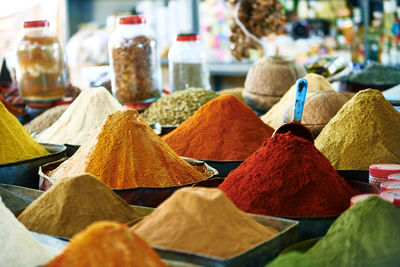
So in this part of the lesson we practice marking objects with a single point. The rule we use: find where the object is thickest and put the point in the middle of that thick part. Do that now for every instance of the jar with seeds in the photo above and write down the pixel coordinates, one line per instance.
(135, 61)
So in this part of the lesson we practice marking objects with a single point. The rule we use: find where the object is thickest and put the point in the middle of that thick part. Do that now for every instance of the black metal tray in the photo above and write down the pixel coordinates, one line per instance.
(25, 172)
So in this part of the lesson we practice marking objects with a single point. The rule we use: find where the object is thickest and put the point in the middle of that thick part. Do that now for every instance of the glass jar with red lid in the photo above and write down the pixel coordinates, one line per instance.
(41, 66)
(135, 62)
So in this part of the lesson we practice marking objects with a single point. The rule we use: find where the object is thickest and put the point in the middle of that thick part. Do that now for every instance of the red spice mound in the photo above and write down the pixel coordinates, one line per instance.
(222, 129)
(288, 176)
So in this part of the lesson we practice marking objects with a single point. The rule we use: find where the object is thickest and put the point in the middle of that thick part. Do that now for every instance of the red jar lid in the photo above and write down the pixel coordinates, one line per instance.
(187, 37)
(134, 19)
(390, 185)
(137, 106)
(392, 196)
(360, 197)
(36, 23)
(394, 177)
(383, 170)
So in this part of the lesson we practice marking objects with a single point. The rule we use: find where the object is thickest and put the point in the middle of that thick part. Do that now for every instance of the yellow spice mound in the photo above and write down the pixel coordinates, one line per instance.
(16, 144)
(126, 153)
(203, 221)
(274, 116)
(107, 244)
(365, 131)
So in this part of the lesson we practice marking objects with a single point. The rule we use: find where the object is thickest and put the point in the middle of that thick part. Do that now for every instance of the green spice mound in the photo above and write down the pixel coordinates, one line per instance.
(365, 131)
(175, 108)
(367, 234)
(377, 74)
(294, 259)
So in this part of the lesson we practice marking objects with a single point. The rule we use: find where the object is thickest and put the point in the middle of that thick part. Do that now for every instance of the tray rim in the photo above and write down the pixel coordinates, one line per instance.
(60, 149)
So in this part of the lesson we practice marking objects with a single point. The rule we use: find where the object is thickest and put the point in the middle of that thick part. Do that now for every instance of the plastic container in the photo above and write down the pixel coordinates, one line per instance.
(392, 196)
(360, 197)
(135, 61)
(394, 177)
(379, 173)
(390, 185)
(41, 68)
(188, 63)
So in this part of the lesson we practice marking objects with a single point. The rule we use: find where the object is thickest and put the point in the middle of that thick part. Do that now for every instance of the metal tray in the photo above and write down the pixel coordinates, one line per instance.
(259, 255)
(140, 196)
(71, 149)
(17, 198)
(25, 172)
(224, 167)
(51, 241)
(355, 175)
(302, 246)
(154, 196)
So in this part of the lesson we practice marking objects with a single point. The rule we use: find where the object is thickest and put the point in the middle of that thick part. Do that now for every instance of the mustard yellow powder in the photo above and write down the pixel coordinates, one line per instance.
(365, 131)
(15, 141)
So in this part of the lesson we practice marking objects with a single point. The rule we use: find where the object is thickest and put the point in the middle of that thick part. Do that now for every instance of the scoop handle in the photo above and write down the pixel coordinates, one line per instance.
(301, 91)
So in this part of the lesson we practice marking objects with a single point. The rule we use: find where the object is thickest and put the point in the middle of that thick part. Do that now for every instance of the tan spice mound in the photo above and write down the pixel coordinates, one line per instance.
(74, 203)
(203, 221)
(274, 116)
(107, 244)
(222, 129)
(365, 131)
(126, 153)
(46, 119)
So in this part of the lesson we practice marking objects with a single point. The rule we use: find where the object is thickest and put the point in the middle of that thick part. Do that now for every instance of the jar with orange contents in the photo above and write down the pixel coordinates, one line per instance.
(41, 68)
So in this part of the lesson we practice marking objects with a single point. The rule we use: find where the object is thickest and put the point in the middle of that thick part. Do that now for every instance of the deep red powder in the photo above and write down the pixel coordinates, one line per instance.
(288, 176)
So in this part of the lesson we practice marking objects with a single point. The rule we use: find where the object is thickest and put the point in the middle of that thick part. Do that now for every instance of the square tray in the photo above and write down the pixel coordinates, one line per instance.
(259, 255)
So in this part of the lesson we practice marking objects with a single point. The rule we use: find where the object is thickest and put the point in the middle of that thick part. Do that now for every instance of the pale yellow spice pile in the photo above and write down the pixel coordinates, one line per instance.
(365, 131)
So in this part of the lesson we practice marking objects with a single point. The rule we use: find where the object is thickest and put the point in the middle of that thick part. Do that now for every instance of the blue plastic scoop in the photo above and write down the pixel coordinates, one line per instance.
(295, 126)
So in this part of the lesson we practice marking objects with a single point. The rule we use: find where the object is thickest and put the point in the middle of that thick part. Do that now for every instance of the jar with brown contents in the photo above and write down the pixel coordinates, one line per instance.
(135, 62)
(41, 69)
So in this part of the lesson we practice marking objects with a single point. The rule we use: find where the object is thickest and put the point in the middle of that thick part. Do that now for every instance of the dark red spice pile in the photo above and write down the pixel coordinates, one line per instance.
(288, 176)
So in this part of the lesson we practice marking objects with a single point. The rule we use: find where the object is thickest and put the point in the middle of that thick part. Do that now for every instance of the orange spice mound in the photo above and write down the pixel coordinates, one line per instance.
(126, 153)
(107, 244)
(222, 129)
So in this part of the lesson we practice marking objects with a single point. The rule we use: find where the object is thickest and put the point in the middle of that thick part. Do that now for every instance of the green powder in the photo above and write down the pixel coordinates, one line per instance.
(294, 259)
(365, 131)
(367, 234)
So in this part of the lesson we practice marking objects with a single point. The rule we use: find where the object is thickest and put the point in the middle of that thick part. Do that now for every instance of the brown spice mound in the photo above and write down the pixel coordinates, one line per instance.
(46, 119)
(222, 129)
(107, 244)
(74, 203)
(203, 221)
(126, 153)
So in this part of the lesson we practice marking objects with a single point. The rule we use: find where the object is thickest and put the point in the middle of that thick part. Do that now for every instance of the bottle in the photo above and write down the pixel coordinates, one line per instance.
(135, 61)
(188, 63)
(41, 67)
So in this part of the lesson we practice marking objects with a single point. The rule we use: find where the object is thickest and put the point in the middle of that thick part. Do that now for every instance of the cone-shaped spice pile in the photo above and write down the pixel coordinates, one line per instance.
(74, 203)
(365, 131)
(222, 129)
(107, 244)
(126, 153)
(202, 220)
(288, 176)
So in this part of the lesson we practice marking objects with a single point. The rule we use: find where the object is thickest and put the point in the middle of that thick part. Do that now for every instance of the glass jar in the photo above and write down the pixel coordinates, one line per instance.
(41, 68)
(188, 63)
(135, 61)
